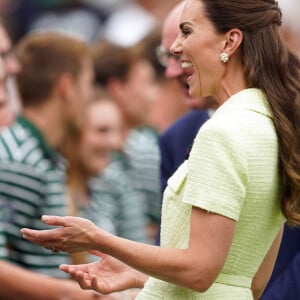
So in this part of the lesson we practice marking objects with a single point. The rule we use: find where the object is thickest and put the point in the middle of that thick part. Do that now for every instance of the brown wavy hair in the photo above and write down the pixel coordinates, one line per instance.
(270, 66)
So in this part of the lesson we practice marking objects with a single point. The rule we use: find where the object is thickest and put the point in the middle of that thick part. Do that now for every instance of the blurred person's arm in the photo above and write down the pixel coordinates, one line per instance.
(18, 283)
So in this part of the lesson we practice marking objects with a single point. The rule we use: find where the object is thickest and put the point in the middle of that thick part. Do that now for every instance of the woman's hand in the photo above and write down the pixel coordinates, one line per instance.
(74, 292)
(106, 276)
(74, 234)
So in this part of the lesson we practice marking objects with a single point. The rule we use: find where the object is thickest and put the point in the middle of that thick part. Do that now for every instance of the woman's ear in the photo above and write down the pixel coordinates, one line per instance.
(233, 40)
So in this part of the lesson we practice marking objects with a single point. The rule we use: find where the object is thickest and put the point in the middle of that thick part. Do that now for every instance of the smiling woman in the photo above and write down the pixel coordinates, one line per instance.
(94, 191)
(224, 207)
(97, 135)
(204, 48)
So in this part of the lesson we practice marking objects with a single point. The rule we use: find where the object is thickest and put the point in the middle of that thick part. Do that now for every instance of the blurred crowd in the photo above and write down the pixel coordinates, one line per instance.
(83, 101)
(123, 21)
(83, 139)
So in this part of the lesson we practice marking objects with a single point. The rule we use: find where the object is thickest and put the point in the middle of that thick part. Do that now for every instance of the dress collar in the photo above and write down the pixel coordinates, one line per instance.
(250, 99)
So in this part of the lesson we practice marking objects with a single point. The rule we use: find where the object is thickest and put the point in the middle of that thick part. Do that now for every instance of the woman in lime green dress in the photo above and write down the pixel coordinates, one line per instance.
(224, 207)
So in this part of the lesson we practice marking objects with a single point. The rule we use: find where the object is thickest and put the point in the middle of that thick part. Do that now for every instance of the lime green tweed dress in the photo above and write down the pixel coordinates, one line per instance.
(232, 171)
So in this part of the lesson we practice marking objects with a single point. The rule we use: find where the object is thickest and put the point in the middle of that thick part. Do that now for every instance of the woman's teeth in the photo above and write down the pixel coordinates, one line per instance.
(186, 64)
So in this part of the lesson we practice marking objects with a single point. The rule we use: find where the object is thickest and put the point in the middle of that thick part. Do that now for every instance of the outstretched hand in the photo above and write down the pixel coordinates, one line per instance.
(105, 276)
(74, 234)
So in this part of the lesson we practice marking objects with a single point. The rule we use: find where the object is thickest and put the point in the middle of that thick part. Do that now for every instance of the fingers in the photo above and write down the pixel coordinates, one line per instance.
(83, 279)
(45, 238)
(95, 284)
(40, 236)
(67, 268)
(44, 234)
(81, 275)
(29, 233)
(73, 268)
(89, 281)
(49, 220)
(54, 220)
(49, 239)
(37, 236)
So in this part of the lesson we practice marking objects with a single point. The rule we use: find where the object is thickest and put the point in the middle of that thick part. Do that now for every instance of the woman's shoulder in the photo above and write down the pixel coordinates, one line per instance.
(237, 124)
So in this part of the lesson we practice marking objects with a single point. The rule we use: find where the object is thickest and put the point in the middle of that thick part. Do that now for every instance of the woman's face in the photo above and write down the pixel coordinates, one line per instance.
(199, 47)
(101, 135)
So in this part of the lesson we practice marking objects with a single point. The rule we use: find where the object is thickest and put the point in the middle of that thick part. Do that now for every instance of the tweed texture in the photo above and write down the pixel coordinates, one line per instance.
(232, 171)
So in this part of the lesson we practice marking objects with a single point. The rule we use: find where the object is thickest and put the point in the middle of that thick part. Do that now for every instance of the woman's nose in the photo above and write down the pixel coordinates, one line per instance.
(176, 48)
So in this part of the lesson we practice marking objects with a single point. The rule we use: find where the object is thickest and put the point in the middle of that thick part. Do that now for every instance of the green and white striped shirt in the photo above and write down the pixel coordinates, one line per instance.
(141, 154)
(32, 183)
(118, 207)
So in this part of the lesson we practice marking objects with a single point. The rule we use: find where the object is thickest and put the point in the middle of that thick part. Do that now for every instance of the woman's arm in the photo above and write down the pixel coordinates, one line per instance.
(264, 272)
(195, 267)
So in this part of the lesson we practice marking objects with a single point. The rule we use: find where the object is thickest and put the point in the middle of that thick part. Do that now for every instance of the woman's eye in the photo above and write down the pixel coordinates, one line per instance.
(185, 31)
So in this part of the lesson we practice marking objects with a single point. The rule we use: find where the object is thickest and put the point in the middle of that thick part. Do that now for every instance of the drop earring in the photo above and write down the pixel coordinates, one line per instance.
(224, 57)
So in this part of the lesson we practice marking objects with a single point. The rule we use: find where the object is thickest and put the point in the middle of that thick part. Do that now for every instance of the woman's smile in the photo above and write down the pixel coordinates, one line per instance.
(189, 70)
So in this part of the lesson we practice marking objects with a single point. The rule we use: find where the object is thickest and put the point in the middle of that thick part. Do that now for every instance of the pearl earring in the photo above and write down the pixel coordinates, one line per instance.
(224, 57)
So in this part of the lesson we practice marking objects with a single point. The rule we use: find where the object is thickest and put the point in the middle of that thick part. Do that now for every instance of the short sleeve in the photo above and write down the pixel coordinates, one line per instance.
(217, 171)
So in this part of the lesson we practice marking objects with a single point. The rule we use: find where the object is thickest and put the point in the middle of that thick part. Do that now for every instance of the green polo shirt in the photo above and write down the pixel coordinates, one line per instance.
(32, 183)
